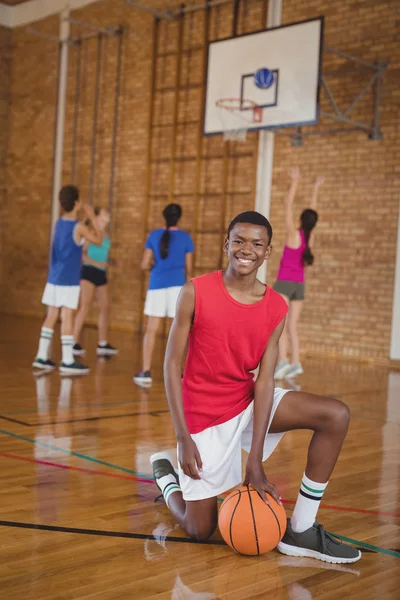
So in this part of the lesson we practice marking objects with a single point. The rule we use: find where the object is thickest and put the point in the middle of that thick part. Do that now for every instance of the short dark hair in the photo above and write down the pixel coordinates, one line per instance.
(68, 197)
(254, 218)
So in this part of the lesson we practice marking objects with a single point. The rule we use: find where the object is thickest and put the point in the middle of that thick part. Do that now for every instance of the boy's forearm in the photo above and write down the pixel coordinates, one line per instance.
(173, 385)
(292, 192)
(263, 401)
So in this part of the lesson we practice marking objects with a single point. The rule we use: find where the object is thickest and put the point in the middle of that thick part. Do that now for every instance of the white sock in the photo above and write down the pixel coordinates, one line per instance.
(103, 343)
(67, 342)
(167, 484)
(46, 336)
(307, 504)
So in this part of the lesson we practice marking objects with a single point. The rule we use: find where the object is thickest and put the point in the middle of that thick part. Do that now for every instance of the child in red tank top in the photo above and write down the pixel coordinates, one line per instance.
(233, 323)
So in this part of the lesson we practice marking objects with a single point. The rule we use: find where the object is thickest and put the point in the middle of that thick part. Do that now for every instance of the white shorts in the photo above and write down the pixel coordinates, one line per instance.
(220, 448)
(162, 302)
(61, 295)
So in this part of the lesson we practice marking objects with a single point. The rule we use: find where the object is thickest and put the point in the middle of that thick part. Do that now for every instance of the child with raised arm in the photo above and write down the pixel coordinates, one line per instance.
(297, 255)
(63, 282)
(233, 323)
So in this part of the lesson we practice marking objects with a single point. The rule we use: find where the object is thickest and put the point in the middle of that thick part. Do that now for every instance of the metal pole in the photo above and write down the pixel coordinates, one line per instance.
(376, 132)
(200, 138)
(227, 155)
(95, 117)
(361, 94)
(266, 141)
(105, 30)
(342, 119)
(115, 125)
(60, 118)
(352, 58)
(146, 210)
(76, 108)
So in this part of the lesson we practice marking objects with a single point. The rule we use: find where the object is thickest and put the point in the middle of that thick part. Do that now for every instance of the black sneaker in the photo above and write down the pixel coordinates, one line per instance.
(317, 543)
(74, 368)
(162, 465)
(143, 378)
(47, 365)
(77, 350)
(106, 350)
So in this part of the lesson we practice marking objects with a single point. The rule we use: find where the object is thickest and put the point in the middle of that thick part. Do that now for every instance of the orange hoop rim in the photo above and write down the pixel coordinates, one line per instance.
(222, 103)
(237, 106)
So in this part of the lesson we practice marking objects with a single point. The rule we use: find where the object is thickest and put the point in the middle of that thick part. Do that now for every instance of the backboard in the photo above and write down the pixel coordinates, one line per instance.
(233, 101)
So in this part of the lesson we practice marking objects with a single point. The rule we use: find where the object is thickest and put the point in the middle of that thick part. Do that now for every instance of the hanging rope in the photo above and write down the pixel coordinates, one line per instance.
(78, 54)
(95, 117)
(186, 94)
(115, 124)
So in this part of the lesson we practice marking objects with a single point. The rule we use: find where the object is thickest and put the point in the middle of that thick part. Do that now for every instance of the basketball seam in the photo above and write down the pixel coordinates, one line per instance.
(230, 524)
(254, 523)
(277, 520)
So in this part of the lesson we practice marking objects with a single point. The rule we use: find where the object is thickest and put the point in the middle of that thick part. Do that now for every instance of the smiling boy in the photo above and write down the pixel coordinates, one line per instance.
(233, 323)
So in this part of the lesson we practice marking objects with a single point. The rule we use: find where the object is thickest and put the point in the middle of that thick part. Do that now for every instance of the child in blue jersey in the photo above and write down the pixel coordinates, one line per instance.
(94, 281)
(63, 283)
(168, 254)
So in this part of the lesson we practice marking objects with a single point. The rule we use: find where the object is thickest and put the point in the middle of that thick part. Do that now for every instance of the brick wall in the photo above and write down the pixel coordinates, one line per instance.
(350, 286)
(5, 82)
(350, 289)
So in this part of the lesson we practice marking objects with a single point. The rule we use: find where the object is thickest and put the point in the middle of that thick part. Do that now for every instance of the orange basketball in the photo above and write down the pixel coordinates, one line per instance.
(248, 525)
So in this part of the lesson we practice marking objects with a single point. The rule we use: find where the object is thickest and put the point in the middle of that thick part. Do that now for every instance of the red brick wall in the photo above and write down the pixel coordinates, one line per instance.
(349, 288)
(5, 82)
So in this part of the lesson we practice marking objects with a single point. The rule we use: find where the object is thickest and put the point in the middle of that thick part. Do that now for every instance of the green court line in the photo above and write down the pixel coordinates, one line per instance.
(144, 475)
(366, 546)
(78, 454)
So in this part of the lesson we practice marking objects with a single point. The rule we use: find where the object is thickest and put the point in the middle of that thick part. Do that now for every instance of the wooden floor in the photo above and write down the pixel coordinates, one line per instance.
(77, 512)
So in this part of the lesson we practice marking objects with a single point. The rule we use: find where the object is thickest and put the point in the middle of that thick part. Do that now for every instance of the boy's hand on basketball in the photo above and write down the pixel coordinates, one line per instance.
(294, 173)
(189, 458)
(320, 180)
(255, 476)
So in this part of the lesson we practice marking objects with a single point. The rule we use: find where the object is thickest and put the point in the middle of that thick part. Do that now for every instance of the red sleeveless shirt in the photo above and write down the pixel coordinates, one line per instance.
(226, 342)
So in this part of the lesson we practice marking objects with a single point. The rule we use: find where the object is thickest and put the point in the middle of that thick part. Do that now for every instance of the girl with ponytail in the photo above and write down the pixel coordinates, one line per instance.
(168, 255)
(297, 255)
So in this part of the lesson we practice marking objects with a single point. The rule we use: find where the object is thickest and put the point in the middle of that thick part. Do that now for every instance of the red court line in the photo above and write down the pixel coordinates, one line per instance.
(135, 478)
(364, 511)
(79, 469)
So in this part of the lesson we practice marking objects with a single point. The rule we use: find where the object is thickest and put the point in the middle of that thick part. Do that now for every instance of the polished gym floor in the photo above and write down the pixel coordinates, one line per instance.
(77, 513)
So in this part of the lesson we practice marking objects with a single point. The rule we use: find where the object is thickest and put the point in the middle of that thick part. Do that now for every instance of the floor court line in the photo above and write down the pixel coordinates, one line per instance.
(132, 472)
(85, 405)
(119, 534)
(145, 536)
(149, 479)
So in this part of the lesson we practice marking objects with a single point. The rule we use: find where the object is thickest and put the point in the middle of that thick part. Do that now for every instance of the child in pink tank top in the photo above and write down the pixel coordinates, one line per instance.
(290, 281)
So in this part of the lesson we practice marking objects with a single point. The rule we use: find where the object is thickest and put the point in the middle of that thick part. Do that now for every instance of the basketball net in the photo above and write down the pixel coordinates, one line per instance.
(234, 115)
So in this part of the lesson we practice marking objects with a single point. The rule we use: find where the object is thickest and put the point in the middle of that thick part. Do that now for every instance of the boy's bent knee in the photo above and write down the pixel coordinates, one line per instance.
(200, 532)
(339, 415)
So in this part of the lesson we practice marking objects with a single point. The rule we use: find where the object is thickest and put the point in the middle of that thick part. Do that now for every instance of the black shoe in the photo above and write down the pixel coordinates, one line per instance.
(77, 350)
(143, 378)
(74, 368)
(162, 465)
(106, 350)
(47, 365)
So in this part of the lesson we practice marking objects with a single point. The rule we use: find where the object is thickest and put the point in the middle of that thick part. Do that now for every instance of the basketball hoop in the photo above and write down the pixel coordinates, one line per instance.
(234, 114)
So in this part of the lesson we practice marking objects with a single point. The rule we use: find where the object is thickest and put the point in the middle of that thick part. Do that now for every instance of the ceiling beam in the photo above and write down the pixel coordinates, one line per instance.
(36, 10)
